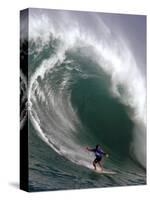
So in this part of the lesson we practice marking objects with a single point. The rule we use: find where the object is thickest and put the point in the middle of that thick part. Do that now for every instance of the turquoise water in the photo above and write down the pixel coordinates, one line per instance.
(50, 171)
(103, 119)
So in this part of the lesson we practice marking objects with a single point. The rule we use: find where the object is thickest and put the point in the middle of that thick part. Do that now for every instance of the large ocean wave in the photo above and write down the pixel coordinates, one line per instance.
(85, 87)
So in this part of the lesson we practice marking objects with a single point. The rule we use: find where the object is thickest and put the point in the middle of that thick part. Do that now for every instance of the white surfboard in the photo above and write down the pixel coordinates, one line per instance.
(104, 171)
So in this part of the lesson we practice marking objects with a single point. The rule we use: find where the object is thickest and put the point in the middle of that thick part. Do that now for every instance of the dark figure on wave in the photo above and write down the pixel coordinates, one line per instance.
(99, 153)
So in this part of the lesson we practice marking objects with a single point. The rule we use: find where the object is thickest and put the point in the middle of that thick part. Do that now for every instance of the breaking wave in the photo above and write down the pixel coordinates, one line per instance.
(85, 87)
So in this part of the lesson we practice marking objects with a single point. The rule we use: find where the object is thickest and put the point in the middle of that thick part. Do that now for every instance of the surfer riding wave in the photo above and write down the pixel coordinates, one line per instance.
(99, 153)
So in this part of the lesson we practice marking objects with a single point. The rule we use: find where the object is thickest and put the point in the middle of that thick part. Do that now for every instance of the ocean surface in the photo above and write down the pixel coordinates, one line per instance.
(84, 88)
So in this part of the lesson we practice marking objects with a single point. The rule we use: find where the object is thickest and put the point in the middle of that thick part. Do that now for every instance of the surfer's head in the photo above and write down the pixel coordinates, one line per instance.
(97, 146)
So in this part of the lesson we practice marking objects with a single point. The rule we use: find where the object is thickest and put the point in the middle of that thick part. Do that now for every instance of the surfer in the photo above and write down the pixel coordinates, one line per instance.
(99, 153)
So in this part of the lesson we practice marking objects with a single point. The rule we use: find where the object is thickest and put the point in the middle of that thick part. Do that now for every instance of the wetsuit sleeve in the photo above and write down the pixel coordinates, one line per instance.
(93, 150)
(102, 152)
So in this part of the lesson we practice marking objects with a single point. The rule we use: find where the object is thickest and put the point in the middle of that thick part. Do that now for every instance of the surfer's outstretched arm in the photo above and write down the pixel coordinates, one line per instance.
(104, 153)
(90, 149)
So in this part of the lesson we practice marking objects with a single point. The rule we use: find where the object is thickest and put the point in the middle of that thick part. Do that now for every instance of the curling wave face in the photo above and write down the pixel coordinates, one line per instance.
(23, 100)
(83, 88)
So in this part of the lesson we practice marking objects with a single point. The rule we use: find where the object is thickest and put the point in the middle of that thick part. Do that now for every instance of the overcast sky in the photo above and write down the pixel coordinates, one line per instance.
(133, 28)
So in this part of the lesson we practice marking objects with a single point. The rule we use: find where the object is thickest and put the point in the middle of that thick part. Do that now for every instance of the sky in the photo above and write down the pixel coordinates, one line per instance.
(133, 28)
